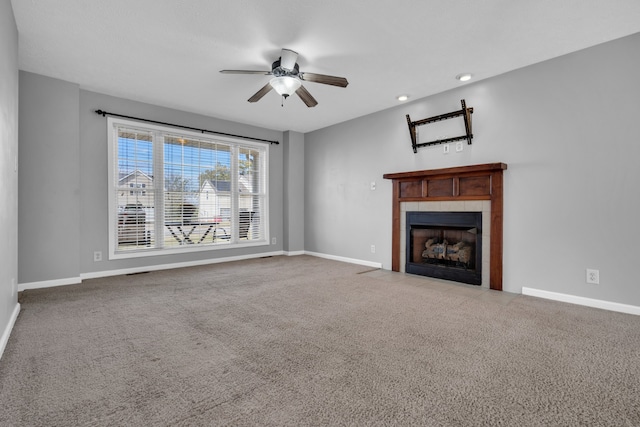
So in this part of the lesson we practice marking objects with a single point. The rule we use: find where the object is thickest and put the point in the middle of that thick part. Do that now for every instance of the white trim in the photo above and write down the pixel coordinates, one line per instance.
(343, 259)
(99, 274)
(294, 253)
(184, 249)
(109, 273)
(589, 302)
(49, 283)
(7, 331)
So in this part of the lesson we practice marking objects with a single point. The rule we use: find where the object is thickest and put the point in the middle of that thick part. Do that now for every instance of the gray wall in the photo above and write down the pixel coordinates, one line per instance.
(59, 125)
(8, 164)
(293, 146)
(565, 127)
(567, 130)
(49, 201)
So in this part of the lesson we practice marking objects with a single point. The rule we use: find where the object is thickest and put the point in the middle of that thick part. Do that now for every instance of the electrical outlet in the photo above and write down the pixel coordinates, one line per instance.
(97, 256)
(273, 240)
(593, 276)
(445, 148)
(459, 146)
(373, 249)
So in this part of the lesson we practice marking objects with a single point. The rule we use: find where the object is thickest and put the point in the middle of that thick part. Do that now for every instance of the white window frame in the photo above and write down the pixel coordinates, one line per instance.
(158, 140)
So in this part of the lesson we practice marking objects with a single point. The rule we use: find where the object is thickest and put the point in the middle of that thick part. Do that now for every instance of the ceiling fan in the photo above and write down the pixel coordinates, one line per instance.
(287, 79)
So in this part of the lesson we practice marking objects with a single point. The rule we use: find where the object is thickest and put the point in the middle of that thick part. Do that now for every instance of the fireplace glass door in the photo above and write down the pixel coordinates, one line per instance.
(445, 245)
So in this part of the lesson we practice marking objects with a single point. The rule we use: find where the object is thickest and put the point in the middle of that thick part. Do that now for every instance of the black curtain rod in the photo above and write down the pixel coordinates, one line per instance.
(106, 113)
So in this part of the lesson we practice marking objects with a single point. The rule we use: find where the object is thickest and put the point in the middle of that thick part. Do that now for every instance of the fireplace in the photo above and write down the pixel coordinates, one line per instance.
(445, 245)
(464, 187)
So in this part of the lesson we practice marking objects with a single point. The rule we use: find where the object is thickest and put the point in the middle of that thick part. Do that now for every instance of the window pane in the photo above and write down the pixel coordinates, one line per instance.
(249, 171)
(249, 217)
(135, 206)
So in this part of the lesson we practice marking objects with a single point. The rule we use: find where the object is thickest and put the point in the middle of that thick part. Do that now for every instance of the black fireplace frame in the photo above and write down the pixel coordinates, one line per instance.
(445, 219)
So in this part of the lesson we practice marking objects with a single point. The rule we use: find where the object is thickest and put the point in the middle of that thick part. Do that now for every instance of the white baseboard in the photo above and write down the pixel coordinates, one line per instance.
(343, 259)
(7, 331)
(589, 302)
(49, 283)
(109, 273)
(294, 253)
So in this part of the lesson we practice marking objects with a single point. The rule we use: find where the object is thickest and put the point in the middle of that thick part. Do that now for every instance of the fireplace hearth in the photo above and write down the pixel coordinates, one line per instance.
(445, 245)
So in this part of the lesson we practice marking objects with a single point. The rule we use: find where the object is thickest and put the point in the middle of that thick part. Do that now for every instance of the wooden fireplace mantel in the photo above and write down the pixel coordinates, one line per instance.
(477, 182)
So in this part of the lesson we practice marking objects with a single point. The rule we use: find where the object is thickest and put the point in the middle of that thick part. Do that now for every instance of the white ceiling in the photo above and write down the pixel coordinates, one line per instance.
(169, 52)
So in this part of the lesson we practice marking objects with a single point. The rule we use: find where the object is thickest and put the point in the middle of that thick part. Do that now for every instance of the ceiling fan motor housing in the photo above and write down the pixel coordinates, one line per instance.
(278, 71)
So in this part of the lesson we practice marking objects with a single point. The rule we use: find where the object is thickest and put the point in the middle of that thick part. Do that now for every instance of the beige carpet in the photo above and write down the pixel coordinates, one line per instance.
(295, 341)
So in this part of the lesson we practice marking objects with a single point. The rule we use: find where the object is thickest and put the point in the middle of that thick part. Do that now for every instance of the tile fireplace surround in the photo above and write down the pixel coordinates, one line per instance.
(453, 189)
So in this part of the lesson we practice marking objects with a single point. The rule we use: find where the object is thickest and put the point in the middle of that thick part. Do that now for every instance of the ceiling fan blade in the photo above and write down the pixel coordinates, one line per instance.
(288, 59)
(324, 79)
(266, 73)
(262, 92)
(306, 97)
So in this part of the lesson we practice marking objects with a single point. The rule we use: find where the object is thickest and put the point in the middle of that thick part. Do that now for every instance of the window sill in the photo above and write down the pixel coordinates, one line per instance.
(184, 249)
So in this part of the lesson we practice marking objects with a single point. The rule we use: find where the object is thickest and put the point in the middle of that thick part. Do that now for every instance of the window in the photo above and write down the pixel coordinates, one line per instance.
(174, 191)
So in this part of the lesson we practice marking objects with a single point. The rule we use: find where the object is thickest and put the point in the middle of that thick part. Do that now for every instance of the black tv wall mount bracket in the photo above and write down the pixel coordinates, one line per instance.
(464, 112)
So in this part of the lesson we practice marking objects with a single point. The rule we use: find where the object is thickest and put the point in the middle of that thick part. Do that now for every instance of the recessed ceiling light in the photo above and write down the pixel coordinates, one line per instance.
(464, 77)
(402, 98)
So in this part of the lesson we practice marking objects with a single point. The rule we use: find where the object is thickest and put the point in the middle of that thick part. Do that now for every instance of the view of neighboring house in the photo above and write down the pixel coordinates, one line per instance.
(135, 189)
(215, 199)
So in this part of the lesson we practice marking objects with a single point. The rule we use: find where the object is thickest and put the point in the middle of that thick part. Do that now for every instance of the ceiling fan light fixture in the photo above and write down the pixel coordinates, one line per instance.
(285, 85)
(287, 79)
